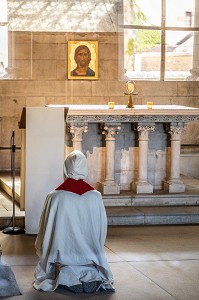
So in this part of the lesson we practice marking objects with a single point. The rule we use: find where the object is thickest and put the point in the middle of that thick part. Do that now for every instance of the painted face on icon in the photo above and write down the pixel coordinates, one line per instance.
(82, 56)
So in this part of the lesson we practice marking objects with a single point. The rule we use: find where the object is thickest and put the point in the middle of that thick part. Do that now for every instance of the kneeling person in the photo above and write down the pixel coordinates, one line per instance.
(72, 234)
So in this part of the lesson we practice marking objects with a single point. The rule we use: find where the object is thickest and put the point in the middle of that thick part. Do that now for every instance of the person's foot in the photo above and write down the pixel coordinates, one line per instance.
(76, 288)
(105, 286)
(107, 289)
(90, 287)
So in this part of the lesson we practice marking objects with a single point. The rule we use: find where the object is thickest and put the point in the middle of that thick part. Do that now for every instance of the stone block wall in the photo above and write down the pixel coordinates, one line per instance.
(38, 76)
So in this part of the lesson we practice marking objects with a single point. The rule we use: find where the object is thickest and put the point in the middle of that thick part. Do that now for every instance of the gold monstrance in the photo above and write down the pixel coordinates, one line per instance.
(130, 85)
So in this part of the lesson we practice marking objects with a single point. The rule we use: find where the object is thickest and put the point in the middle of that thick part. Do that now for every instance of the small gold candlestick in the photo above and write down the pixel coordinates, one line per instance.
(111, 104)
(149, 104)
(130, 85)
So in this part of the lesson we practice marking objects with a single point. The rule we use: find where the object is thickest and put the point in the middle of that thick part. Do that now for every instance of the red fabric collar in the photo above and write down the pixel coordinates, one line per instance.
(75, 186)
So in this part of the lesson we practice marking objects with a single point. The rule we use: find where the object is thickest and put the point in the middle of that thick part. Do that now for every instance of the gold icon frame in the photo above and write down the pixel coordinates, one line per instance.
(93, 47)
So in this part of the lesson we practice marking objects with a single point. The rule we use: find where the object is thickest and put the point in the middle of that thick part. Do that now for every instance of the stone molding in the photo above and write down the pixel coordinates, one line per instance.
(130, 118)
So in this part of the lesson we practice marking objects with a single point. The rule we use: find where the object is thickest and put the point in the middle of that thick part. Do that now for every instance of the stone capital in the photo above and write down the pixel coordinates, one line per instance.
(175, 131)
(77, 130)
(144, 129)
(110, 130)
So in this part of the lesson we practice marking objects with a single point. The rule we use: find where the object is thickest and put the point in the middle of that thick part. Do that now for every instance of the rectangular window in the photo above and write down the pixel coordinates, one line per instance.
(3, 38)
(158, 43)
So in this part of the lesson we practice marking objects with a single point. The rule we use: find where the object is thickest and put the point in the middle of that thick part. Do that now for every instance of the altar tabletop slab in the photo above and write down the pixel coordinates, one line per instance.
(137, 110)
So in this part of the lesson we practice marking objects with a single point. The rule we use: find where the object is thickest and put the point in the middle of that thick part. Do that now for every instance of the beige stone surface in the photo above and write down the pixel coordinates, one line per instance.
(21, 51)
(188, 89)
(49, 38)
(157, 88)
(19, 37)
(44, 69)
(20, 69)
(110, 88)
(48, 51)
(61, 69)
(11, 106)
(108, 51)
(108, 70)
(35, 101)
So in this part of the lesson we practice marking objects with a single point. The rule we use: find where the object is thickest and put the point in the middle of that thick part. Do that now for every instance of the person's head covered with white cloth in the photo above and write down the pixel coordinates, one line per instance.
(72, 234)
(75, 166)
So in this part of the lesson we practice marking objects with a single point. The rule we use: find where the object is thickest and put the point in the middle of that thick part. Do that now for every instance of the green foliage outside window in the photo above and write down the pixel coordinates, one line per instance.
(144, 41)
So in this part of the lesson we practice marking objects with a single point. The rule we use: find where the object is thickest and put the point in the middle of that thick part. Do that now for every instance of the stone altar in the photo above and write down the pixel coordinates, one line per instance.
(129, 149)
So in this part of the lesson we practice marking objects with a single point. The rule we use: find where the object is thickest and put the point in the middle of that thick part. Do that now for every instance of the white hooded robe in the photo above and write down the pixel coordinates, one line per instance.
(72, 234)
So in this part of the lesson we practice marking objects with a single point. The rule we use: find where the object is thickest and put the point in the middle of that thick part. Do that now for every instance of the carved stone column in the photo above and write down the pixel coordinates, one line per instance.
(174, 184)
(142, 185)
(77, 130)
(109, 186)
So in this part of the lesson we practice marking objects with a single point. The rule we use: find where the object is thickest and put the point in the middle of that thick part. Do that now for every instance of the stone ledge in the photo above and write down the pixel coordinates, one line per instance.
(152, 215)
(133, 200)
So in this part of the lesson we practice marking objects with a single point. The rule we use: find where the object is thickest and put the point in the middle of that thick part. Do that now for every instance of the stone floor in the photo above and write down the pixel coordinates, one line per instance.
(148, 263)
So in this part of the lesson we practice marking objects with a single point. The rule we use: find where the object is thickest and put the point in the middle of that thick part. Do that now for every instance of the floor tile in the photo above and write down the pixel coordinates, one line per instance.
(178, 278)
(155, 243)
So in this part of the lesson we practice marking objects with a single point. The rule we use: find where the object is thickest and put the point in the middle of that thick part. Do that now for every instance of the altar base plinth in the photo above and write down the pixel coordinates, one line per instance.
(142, 188)
(174, 186)
(109, 188)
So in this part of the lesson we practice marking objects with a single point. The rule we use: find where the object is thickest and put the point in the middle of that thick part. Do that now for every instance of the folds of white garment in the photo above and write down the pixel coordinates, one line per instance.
(70, 241)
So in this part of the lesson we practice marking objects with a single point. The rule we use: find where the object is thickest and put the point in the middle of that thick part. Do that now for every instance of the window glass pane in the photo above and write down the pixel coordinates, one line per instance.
(178, 55)
(142, 12)
(142, 53)
(181, 14)
(4, 45)
(3, 11)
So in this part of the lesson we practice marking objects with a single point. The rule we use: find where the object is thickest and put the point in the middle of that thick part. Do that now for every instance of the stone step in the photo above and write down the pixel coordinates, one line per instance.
(189, 198)
(145, 215)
